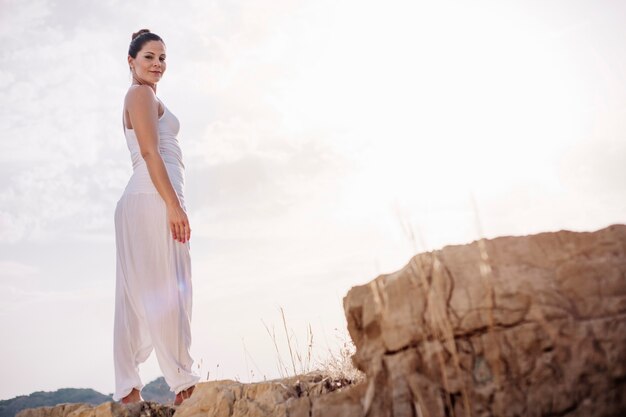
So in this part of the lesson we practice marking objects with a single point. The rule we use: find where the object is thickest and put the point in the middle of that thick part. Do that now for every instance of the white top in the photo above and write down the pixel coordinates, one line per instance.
(169, 148)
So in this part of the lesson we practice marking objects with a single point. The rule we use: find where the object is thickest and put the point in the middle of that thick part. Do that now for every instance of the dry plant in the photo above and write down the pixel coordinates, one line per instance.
(249, 372)
(282, 369)
(300, 363)
(336, 364)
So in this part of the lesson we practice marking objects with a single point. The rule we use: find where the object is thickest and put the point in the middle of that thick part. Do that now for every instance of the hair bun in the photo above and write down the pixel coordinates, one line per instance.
(140, 32)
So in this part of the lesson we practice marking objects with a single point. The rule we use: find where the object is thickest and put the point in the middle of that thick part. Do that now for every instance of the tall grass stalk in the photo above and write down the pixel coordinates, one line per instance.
(247, 356)
(282, 369)
(336, 364)
(293, 362)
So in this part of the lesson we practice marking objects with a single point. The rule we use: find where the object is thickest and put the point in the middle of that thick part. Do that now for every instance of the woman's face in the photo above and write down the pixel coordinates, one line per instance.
(149, 65)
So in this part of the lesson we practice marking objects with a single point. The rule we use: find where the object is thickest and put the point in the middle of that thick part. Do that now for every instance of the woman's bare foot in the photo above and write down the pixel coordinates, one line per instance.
(133, 397)
(183, 395)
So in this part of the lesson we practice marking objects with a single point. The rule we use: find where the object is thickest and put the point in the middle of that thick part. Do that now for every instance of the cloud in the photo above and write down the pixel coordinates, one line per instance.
(19, 18)
(13, 269)
(596, 167)
(70, 163)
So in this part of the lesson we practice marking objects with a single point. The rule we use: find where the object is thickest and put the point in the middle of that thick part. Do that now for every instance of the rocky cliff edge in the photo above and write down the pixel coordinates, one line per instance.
(512, 326)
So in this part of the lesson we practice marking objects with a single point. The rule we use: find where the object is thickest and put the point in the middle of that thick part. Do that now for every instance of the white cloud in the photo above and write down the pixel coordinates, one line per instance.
(12, 269)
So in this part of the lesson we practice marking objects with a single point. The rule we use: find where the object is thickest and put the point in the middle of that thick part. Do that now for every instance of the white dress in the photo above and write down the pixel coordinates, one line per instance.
(153, 292)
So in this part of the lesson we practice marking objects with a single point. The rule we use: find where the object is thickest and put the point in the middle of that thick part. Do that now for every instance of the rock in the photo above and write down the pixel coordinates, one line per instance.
(289, 397)
(107, 409)
(342, 403)
(514, 326)
(60, 410)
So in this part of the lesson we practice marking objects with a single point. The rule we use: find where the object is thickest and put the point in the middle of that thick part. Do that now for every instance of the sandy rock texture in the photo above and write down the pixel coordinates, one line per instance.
(301, 396)
(513, 326)
(108, 409)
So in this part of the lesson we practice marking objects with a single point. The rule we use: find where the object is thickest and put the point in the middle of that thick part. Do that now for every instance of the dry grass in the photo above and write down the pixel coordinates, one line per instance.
(335, 364)
(338, 362)
(429, 274)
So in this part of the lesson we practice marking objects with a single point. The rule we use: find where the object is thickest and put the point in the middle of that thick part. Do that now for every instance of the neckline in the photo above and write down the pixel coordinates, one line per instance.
(159, 119)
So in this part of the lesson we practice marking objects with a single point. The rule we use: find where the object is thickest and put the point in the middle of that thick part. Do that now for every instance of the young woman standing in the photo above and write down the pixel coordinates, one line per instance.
(153, 291)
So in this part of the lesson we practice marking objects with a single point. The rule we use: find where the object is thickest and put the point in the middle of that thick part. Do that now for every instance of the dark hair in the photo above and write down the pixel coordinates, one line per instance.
(139, 39)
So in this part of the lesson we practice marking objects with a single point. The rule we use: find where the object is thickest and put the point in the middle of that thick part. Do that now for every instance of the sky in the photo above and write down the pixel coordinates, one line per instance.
(325, 143)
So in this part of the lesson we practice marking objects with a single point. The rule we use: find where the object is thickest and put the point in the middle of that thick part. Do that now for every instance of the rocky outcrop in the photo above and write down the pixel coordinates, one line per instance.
(107, 409)
(514, 326)
(306, 395)
(290, 397)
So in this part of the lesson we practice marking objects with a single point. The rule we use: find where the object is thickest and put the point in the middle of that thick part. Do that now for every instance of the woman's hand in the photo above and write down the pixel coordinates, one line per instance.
(178, 222)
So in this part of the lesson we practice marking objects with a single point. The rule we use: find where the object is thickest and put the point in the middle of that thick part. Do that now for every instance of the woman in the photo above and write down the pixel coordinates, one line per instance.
(153, 292)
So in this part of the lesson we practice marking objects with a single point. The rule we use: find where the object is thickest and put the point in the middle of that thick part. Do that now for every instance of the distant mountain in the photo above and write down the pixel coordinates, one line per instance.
(156, 390)
(8, 408)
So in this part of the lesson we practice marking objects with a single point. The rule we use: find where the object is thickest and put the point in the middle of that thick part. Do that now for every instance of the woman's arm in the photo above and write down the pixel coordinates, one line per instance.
(142, 109)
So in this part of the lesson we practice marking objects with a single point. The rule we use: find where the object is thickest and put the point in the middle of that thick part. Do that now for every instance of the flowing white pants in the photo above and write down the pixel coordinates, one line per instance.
(153, 296)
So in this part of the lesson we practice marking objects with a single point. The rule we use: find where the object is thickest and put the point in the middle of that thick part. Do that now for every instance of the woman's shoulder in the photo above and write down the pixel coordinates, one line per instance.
(140, 94)
(138, 90)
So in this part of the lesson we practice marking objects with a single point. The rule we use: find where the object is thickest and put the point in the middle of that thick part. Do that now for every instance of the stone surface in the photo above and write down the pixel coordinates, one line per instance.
(107, 409)
(289, 397)
(514, 326)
